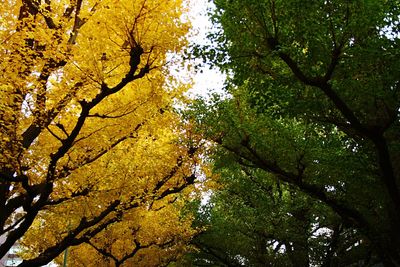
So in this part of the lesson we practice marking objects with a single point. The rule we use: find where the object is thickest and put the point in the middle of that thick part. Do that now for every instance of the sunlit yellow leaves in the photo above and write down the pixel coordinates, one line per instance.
(87, 116)
(160, 235)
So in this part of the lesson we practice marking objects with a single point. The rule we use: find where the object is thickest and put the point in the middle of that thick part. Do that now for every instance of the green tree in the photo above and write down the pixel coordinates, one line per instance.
(312, 124)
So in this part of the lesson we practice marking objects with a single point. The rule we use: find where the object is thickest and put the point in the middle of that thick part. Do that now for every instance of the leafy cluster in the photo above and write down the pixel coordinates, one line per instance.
(90, 141)
(307, 145)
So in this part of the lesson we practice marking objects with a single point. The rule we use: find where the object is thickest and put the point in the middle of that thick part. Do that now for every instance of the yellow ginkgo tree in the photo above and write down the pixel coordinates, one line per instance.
(89, 139)
(144, 238)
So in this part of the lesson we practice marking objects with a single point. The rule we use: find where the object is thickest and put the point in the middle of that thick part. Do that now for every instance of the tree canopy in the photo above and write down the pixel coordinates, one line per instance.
(92, 152)
(96, 162)
(307, 138)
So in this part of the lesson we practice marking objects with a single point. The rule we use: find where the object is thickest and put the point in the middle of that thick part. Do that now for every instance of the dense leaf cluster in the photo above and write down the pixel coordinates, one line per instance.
(307, 146)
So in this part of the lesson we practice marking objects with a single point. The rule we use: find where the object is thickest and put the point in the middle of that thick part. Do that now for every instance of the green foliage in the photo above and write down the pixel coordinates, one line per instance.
(308, 139)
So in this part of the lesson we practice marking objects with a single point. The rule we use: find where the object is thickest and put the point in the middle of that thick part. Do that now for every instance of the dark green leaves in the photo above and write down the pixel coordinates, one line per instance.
(307, 144)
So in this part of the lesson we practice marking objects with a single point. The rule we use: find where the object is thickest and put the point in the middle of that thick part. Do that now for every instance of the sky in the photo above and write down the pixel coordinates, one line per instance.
(207, 80)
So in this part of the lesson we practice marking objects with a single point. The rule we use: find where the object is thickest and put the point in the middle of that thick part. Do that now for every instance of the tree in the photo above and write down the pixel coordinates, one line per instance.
(145, 237)
(88, 128)
(314, 107)
(257, 220)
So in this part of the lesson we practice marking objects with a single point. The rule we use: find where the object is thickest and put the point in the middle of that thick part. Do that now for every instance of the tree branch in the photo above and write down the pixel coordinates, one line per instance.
(71, 239)
(349, 215)
(322, 83)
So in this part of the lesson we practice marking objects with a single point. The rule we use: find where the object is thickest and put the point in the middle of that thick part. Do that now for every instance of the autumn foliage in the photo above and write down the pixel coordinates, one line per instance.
(90, 148)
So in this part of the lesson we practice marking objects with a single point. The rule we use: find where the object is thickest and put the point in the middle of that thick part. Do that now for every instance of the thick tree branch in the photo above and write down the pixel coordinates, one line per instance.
(35, 129)
(18, 232)
(34, 8)
(349, 215)
(72, 238)
(103, 251)
(189, 180)
(80, 193)
(374, 133)
(322, 83)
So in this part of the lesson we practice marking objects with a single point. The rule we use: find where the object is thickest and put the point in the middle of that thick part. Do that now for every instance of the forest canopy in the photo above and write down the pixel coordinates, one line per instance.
(93, 154)
(307, 142)
(105, 162)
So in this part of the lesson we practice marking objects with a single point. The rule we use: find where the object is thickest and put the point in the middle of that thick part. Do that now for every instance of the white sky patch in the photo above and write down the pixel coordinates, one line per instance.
(206, 81)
